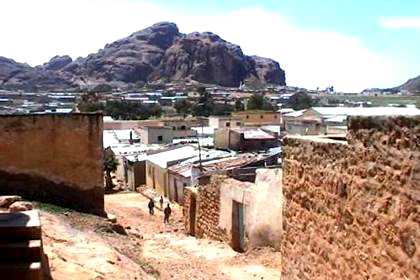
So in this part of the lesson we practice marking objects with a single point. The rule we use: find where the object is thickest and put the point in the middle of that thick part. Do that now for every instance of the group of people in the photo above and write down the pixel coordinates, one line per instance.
(166, 212)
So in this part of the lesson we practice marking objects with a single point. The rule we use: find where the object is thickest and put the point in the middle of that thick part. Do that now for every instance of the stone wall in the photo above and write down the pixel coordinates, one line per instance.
(207, 210)
(55, 158)
(351, 210)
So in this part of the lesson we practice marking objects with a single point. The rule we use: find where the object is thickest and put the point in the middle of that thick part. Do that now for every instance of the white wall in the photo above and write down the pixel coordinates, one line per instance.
(263, 207)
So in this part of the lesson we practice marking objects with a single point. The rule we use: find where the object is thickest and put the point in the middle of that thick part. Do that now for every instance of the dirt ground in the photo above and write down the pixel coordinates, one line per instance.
(140, 246)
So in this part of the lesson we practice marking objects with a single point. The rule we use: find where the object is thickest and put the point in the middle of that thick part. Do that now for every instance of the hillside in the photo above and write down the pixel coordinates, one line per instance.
(159, 53)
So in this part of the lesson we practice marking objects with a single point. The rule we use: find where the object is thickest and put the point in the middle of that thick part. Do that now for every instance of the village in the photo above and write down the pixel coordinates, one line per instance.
(79, 207)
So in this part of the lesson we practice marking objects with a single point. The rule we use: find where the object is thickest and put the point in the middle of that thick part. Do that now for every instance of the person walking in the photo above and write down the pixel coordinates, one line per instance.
(167, 212)
(151, 206)
(161, 202)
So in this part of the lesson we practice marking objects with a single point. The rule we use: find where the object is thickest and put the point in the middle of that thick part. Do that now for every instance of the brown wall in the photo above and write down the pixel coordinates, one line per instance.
(258, 118)
(55, 158)
(207, 210)
(136, 174)
(351, 211)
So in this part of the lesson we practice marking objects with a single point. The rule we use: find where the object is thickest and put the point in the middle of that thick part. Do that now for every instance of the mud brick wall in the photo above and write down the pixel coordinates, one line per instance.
(208, 210)
(55, 158)
(189, 194)
(352, 210)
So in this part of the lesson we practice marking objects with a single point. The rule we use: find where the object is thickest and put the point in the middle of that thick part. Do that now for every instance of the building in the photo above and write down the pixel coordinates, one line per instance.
(333, 120)
(157, 164)
(258, 117)
(245, 139)
(218, 122)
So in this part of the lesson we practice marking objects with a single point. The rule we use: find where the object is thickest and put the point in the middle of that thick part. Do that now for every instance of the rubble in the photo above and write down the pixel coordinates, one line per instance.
(19, 206)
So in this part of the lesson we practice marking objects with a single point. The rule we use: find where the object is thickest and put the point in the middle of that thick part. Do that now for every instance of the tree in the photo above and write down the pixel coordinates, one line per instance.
(205, 105)
(183, 107)
(110, 165)
(259, 102)
(239, 106)
(300, 101)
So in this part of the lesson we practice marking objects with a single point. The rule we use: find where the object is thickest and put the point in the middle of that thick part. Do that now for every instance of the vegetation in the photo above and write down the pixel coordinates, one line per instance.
(259, 102)
(110, 165)
(300, 101)
(206, 106)
(121, 110)
(183, 107)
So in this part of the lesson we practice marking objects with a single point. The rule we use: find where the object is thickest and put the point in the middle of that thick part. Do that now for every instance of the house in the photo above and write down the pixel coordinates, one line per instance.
(245, 139)
(239, 166)
(258, 117)
(157, 164)
(333, 120)
(217, 122)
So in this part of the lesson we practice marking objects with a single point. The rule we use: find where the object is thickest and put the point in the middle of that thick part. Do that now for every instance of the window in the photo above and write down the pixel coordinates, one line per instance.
(227, 124)
(238, 123)
(247, 116)
(261, 116)
(173, 128)
(183, 127)
(160, 138)
(275, 116)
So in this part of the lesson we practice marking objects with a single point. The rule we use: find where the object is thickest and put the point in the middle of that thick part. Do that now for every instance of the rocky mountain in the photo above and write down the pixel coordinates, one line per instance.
(412, 85)
(158, 53)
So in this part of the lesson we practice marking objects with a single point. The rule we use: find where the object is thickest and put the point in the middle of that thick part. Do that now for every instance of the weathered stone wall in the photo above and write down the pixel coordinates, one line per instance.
(190, 194)
(55, 158)
(208, 210)
(351, 210)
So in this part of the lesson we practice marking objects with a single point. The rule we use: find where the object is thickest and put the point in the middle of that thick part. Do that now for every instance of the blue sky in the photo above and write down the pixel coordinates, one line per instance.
(349, 44)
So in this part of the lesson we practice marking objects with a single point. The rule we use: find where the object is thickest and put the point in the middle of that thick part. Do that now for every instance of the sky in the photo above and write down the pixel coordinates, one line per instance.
(350, 44)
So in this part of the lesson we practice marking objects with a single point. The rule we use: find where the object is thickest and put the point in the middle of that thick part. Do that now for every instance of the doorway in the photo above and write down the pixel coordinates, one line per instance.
(238, 227)
(192, 214)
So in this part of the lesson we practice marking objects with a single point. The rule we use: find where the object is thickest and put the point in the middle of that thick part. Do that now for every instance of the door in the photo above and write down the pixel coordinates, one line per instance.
(192, 214)
(238, 227)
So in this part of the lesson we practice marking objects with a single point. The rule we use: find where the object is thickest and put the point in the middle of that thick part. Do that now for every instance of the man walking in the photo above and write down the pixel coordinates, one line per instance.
(167, 212)
(161, 202)
(151, 206)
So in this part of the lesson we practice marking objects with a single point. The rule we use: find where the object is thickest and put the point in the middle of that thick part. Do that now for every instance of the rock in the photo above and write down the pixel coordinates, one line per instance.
(157, 53)
(118, 229)
(19, 206)
(111, 217)
(7, 200)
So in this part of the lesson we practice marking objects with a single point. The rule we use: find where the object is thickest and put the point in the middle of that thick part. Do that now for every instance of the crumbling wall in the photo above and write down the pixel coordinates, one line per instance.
(189, 206)
(55, 158)
(263, 208)
(208, 210)
(351, 211)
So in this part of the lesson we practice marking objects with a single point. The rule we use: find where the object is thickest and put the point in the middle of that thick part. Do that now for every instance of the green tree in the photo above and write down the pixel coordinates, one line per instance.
(259, 102)
(110, 165)
(183, 107)
(300, 101)
(239, 106)
(205, 105)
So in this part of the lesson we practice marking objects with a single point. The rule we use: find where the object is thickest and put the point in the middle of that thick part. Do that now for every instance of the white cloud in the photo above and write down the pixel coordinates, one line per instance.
(400, 22)
(34, 31)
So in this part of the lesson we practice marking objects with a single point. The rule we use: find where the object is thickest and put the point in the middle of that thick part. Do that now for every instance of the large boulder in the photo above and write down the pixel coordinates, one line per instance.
(7, 200)
(20, 206)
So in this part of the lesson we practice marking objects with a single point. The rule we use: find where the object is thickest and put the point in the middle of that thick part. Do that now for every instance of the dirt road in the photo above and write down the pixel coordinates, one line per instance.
(150, 250)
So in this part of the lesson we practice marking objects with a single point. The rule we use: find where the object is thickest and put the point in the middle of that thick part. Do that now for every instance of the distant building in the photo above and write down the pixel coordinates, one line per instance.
(333, 120)
(217, 122)
(245, 139)
(258, 117)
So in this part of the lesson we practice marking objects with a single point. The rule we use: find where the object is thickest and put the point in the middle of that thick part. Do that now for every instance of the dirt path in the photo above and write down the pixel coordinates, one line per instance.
(178, 256)
(140, 246)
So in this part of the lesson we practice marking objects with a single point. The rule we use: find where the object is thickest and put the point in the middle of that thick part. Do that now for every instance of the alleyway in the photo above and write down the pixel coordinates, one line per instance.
(151, 250)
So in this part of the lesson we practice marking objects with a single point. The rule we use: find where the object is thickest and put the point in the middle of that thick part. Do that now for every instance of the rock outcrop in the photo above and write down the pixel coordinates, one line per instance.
(412, 85)
(158, 53)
